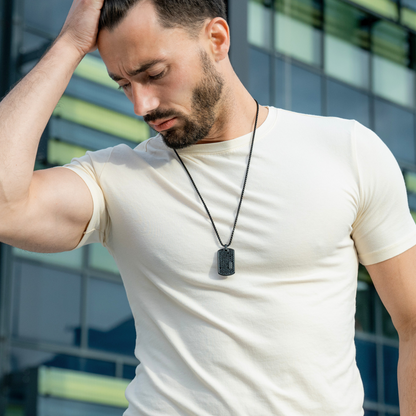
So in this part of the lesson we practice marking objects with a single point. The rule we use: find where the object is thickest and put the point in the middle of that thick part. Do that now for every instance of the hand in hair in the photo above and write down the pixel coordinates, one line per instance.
(81, 25)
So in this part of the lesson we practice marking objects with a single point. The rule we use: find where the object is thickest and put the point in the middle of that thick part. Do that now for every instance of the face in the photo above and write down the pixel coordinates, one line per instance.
(169, 77)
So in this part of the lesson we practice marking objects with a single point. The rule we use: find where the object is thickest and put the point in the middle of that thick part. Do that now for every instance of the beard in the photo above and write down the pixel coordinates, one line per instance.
(205, 97)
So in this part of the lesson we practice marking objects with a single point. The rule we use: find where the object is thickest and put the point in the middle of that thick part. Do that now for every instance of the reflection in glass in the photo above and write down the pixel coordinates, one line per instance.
(52, 406)
(36, 13)
(109, 319)
(23, 359)
(347, 41)
(259, 81)
(396, 127)
(297, 89)
(366, 362)
(391, 358)
(46, 304)
(259, 23)
(391, 61)
(364, 316)
(297, 29)
(101, 259)
(346, 102)
(71, 259)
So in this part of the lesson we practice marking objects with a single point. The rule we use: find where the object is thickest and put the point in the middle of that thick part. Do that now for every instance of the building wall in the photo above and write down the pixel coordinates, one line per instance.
(64, 318)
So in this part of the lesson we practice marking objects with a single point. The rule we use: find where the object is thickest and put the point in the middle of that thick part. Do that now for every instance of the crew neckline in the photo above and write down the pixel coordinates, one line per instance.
(228, 145)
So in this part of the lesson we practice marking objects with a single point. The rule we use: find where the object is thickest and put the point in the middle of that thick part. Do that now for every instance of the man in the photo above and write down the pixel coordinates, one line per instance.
(276, 337)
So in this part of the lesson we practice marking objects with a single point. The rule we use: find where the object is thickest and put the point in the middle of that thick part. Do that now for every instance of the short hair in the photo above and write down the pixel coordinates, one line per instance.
(187, 14)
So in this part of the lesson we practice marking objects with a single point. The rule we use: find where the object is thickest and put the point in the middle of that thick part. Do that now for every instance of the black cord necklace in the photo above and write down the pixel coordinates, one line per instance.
(226, 257)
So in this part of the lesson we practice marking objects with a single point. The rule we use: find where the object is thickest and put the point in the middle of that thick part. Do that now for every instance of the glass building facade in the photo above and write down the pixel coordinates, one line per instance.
(66, 331)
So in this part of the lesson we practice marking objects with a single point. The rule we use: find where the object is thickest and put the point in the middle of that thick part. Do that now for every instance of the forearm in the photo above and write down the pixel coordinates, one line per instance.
(407, 375)
(24, 114)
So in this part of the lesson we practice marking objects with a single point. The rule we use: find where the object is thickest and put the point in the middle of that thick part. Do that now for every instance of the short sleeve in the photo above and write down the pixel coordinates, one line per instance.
(384, 227)
(89, 168)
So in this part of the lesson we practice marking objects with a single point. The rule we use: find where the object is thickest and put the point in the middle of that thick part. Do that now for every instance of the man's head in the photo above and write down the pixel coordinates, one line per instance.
(171, 59)
(188, 14)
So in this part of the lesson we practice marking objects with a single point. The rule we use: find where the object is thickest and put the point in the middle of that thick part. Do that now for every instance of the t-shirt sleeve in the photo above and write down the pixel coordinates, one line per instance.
(90, 168)
(384, 227)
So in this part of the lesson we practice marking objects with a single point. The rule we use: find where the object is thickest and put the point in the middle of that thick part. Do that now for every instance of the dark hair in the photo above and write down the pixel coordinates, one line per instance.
(188, 14)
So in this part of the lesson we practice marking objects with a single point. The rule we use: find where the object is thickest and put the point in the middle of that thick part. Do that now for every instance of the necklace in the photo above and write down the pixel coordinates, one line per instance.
(226, 256)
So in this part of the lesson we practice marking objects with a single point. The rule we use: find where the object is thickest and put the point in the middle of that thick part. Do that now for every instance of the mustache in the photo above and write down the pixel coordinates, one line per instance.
(159, 114)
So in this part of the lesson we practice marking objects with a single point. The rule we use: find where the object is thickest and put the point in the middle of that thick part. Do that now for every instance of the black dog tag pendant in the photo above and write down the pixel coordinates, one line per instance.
(226, 262)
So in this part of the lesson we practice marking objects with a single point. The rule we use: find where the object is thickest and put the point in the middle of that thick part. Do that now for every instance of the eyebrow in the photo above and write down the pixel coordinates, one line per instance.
(139, 70)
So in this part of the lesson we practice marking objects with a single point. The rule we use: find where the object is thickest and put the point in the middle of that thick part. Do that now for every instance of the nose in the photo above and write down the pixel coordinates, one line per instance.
(144, 100)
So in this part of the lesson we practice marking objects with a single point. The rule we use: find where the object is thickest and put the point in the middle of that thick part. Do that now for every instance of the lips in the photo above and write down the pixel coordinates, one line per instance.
(165, 125)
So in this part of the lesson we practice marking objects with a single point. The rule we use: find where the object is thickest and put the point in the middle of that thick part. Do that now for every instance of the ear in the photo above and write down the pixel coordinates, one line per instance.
(217, 33)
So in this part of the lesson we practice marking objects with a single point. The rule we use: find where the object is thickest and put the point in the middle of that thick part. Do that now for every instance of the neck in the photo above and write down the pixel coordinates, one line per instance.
(236, 113)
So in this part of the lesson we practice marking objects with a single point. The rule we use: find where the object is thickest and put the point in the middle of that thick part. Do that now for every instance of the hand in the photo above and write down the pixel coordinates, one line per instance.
(81, 25)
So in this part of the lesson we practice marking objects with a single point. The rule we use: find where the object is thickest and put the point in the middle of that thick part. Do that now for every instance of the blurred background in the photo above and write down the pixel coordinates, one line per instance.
(66, 331)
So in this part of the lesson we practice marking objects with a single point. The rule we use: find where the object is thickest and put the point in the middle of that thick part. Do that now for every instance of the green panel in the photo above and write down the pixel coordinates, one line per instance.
(102, 119)
(101, 259)
(413, 215)
(14, 410)
(391, 42)
(387, 8)
(83, 387)
(410, 179)
(93, 69)
(61, 153)
(72, 259)
(408, 18)
(345, 22)
(259, 24)
(306, 11)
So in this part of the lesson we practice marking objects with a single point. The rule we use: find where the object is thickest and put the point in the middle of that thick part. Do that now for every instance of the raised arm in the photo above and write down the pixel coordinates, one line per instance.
(45, 210)
(395, 281)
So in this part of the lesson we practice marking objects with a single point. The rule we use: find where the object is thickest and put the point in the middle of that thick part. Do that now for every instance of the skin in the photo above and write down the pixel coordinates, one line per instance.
(48, 211)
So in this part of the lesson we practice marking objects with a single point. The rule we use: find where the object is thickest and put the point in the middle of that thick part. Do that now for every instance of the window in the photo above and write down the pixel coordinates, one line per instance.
(259, 82)
(347, 42)
(346, 102)
(396, 127)
(259, 23)
(391, 61)
(109, 319)
(297, 89)
(298, 30)
(46, 304)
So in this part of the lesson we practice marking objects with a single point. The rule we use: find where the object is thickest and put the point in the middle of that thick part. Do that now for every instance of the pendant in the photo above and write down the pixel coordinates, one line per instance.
(226, 262)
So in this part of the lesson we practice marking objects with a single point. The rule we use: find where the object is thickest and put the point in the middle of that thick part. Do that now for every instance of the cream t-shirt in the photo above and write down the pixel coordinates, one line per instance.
(276, 338)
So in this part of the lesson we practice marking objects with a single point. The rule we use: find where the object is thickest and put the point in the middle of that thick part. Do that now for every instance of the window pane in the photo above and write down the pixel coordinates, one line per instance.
(259, 81)
(366, 361)
(71, 259)
(297, 89)
(46, 304)
(259, 23)
(52, 406)
(109, 319)
(346, 102)
(391, 358)
(389, 330)
(297, 29)
(101, 259)
(396, 127)
(391, 62)
(129, 372)
(364, 316)
(46, 15)
(23, 359)
(386, 8)
(347, 41)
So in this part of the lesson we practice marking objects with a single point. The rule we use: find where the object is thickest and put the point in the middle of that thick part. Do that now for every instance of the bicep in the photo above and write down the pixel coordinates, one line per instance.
(56, 213)
(395, 282)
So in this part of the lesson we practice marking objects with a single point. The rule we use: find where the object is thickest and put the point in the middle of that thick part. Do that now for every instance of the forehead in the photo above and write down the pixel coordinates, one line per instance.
(139, 38)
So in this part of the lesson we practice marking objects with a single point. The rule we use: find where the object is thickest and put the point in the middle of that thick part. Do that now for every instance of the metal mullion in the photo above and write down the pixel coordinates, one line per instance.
(84, 299)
